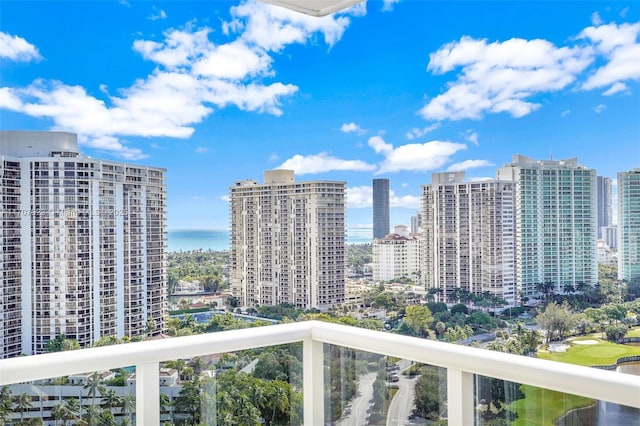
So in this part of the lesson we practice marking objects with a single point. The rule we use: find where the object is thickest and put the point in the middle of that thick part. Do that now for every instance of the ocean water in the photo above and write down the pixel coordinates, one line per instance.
(218, 240)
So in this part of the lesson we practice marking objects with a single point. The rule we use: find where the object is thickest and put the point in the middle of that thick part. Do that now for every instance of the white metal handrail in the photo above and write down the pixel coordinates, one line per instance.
(461, 363)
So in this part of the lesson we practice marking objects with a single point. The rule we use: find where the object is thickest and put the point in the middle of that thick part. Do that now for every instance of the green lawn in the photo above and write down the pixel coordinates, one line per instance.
(602, 353)
(634, 333)
(542, 406)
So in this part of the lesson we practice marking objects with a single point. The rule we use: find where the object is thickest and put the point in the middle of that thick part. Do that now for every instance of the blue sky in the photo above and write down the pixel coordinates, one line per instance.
(220, 91)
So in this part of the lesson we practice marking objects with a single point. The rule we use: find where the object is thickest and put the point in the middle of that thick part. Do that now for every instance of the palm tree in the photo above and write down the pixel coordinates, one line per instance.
(72, 410)
(110, 399)
(165, 405)
(128, 405)
(23, 403)
(92, 413)
(6, 403)
(58, 412)
(94, 386)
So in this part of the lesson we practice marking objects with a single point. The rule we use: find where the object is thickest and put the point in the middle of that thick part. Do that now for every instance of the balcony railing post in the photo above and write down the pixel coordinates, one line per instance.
(148, 394)
(313, 382)
(460, 407)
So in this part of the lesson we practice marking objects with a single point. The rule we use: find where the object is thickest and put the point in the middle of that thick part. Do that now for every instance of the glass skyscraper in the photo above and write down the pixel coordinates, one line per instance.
(629, 225)
(381, 223)
(555, 222)
(604, 204)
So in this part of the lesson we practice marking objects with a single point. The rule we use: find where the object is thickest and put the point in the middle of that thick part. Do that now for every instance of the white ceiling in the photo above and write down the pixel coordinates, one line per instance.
(314, 7)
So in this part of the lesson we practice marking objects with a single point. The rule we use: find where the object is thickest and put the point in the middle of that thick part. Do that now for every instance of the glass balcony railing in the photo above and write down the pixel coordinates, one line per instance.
(335, 375)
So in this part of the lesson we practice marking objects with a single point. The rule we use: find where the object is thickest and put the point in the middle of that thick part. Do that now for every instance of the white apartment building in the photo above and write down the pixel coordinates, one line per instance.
(287, 241)
(629, 225)
(397, 255)
(83, 244)
(469, 236)
(556, 222)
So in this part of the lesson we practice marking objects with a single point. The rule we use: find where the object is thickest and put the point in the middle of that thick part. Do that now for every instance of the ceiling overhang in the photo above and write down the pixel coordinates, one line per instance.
(314, 7)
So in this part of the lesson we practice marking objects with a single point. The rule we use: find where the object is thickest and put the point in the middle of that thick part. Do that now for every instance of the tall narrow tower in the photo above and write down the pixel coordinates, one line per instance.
(287, 241)
(381, 223)
(629, 225)
(604, 204)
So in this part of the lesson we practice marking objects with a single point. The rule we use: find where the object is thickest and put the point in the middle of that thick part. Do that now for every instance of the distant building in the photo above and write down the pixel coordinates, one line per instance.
(469, 236)
(381, 222)
(555, 222)
(287, 241)
(610, 236)
(83, 244)
(604, 204)
(416, 223)
(605, 254)
(397, 255)
(629, 225)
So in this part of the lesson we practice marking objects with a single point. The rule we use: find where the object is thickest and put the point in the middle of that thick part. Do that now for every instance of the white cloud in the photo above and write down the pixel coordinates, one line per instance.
(600, 108)
(387, 5)
(193, 77)
(234, 61)
(17, 49)
(323, 162)
(362, 197)
(565, 112)
(414, 157)
(619, 45)
(471, 136)
(500, 76)
(404, 184)
(201, 150)
(416, 133)
(469, 164)
(616, 88)
(359, 197)
(111, 144)
(596, 19)
(481, 178)
(198, 198)
(405, 201)
(352, 128)
(225, 198)
(273, 157)
(157, 14)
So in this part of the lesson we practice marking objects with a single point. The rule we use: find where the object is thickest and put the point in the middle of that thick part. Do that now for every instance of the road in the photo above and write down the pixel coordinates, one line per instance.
(358, 409)
(402, 403)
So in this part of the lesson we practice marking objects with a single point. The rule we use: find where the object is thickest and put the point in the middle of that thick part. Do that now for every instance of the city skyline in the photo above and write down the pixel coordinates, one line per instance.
(220, 91)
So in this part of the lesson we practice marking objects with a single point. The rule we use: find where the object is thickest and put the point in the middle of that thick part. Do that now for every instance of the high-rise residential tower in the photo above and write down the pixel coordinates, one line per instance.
(556, 223)
(604, 204)
(83, 244)
(287, 241)
(381, 222)
(469, 236)
(629, 225)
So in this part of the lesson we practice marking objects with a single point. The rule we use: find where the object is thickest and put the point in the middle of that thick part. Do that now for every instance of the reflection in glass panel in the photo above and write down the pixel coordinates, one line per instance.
(500, 402)
(371, 389)
(98, 397)
(251, 387)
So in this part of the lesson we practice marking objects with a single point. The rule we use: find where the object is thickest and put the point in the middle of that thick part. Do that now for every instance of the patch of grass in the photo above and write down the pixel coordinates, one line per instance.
(634, 333)
(543, 406)
(602, 353)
